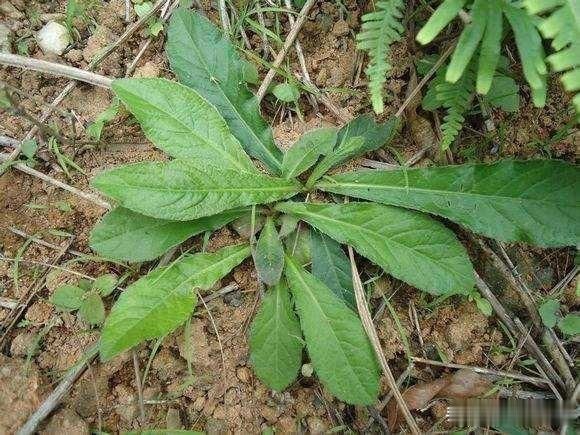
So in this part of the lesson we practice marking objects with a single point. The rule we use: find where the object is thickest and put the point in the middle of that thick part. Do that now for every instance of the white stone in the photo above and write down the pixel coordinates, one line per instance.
(5, 36)
(53, 38)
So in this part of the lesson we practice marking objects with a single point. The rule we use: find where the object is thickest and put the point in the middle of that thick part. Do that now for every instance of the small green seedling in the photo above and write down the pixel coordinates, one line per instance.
(551, 317)
(210, 125)
(86, 298)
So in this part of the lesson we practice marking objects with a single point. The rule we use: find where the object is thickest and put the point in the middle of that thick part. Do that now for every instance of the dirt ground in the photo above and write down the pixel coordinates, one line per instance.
(197, 381)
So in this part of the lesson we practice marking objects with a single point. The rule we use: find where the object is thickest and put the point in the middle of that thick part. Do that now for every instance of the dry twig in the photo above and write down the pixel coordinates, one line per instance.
(287, 44)
(369, 327)
(57, 69)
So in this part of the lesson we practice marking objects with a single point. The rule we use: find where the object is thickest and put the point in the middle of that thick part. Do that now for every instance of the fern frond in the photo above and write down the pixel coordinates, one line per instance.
(562, 26)
(485, 30)
(379, 30)
(457, 99)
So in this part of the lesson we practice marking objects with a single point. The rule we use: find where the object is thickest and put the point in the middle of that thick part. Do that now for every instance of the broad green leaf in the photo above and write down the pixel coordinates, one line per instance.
(358, 137)
(410, 246)
(549, 312)
(288, 225)
(490, 47)
(440, 18)
(276, 339)
(468, 41)
(92, 309)
(105, 284)
(331, 266)
(534, 201)
(162, 300)
(269, 254)
(182, 123)
(67, 297)
(504, 93)
(286, 92)
(570, 325)
(179, 190)
(306, 151)
(339, 349)
(203, 59)
(125, 235)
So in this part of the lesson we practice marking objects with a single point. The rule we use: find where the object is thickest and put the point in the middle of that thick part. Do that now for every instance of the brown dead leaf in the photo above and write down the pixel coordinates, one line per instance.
(462, 384)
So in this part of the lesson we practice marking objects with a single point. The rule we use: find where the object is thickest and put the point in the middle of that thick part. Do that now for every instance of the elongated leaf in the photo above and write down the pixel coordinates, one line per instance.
(125, 235)
(440, 18)
(358, 137)
(490, 47)
(530, 49)
(339, 349)
(178, 190)
(468, 41)
(410, 246)
(306, 151)
(536, 202)
(269, 254)
(276, 339)
(331, 266)
(163, 299)
(203, 59)
(180, 122)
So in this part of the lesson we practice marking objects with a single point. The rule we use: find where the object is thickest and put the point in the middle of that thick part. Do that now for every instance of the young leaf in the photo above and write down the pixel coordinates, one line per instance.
(548, 312)
(410, 246)
(162, 300)
(286, 92)
(298, 244)
(203, 59)
(67, 297)
(125, 235)
(179, 190)
(276, 339)
(504, 93)
(92, 309)
(570, 325)
(181, 123)
(331, 266)
(440, 18)
(530, 201)
(269, 254)
(105, 284)
(95, 128)
(339, 349)
(358, 137)
(306, 151)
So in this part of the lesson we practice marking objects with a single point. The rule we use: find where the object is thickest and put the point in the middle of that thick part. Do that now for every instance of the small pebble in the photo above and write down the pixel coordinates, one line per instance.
(53, 38)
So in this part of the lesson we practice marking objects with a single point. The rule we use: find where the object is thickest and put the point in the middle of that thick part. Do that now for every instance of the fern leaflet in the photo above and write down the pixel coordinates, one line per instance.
(485, 31)
(562, 25)
(379, 30)
(456, 98)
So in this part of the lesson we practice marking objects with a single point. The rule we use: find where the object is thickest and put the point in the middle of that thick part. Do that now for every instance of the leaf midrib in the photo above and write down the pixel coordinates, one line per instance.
(328, 187)
(206, 67)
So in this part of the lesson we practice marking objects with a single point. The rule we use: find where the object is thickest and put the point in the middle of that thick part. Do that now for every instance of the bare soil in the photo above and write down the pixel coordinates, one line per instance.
(201, 378)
